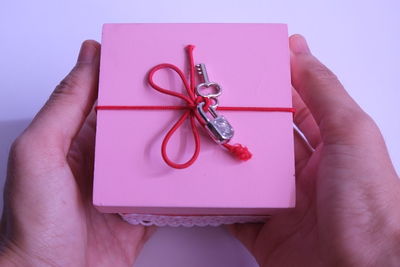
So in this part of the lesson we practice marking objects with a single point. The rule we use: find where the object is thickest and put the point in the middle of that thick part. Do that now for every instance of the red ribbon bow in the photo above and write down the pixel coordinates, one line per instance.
(192, 100)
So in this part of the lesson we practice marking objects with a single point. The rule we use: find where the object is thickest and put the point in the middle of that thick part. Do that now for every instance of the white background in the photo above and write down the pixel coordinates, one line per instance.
(39, 41)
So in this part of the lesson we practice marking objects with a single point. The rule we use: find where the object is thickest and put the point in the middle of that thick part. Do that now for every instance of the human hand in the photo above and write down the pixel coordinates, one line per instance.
(48, 217)
(348, 193)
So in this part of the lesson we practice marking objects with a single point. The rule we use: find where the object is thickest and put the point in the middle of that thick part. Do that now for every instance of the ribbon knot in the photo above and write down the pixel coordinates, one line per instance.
(192, 100)
(201, 99)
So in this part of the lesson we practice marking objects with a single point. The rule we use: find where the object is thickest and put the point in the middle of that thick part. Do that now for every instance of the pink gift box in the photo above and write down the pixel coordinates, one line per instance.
(251, 63)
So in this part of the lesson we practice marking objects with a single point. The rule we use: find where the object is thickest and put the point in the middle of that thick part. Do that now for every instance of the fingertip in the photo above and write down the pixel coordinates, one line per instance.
(298, 45)
(89, 51)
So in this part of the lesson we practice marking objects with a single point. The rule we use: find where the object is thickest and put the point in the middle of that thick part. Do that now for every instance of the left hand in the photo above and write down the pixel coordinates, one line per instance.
(48, 217)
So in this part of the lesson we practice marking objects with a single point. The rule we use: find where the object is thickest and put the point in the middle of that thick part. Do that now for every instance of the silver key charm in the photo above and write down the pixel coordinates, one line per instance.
(217, 126)
(206, 84)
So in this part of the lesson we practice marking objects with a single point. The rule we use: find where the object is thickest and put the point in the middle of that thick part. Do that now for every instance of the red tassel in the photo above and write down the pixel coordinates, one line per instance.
(239, 151)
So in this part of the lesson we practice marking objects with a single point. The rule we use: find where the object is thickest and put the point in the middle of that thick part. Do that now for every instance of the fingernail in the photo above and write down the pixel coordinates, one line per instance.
(298, 45)
(88, 52)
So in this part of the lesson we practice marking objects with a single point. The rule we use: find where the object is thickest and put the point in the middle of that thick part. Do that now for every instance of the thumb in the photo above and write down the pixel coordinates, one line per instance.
(62, 116)
(338, 116)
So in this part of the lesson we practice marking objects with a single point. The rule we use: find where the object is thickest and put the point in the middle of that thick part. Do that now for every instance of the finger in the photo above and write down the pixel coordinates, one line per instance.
(306, 132)
(67, 108)
(81, 154)
(305, 121)
(302, 152)
(331, 106)
(84, 141)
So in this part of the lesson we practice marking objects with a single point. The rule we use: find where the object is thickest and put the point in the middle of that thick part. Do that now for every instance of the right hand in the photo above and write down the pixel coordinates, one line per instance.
(348, 193)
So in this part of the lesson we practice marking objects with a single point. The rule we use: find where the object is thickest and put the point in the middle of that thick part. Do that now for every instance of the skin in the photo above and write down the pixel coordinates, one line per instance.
(48, 217)
(348, 190)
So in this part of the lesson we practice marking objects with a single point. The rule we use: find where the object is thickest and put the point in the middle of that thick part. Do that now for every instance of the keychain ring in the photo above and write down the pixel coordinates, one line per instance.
(215, 86)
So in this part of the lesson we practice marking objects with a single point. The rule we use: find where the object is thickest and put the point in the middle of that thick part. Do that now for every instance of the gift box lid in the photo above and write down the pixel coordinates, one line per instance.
(251, 63)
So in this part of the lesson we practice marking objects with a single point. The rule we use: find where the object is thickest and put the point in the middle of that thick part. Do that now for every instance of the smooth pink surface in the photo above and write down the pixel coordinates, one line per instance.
(251, 63)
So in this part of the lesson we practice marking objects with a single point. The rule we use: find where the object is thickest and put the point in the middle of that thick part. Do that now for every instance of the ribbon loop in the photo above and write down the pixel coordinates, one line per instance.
(188, 99)
(191, 101)
(196, 137)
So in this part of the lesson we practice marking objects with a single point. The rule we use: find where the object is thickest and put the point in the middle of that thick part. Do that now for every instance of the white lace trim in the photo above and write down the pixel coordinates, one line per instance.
(189, 221)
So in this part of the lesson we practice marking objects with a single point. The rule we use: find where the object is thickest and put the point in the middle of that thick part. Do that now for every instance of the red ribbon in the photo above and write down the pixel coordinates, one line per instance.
(192, 100)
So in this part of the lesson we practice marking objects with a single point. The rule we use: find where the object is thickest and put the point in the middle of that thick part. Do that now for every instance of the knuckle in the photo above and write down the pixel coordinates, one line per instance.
(33, 148)
(323, 73)
(365, 126)
(358, 120)
(67, 90)
(349, 125)
(20, 145)
(71, 81)
(318, 71)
